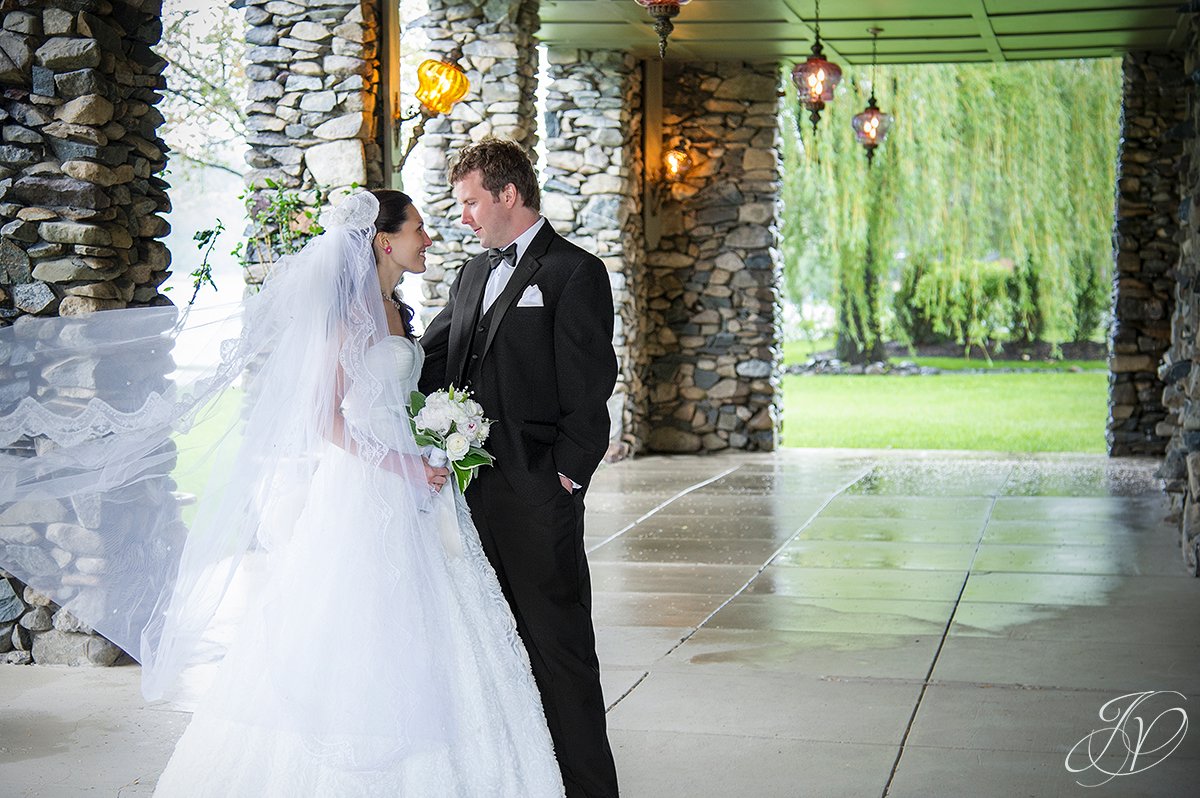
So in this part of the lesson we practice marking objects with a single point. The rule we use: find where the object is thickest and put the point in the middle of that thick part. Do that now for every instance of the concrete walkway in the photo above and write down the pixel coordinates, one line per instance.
(816, 623)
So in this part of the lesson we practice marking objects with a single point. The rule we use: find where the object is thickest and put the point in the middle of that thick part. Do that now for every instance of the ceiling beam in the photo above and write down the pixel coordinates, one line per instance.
(986, 34)
(833, 54)
(944, 31)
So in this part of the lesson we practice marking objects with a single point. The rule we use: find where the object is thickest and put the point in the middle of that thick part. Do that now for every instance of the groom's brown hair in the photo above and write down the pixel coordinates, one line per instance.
(499, 162)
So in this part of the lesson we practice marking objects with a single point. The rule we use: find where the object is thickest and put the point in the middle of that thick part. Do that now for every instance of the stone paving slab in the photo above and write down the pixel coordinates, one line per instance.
(808, 623)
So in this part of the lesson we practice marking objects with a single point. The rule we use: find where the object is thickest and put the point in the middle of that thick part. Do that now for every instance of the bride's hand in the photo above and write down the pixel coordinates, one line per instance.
(436, 477)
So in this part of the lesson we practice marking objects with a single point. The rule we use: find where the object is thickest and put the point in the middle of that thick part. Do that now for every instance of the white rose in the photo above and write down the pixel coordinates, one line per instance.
(459, 417)
(438, 400)
(457, 446)
(433, 419)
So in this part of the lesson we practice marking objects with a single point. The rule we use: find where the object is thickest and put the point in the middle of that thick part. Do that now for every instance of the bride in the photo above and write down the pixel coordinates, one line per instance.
(367, 648)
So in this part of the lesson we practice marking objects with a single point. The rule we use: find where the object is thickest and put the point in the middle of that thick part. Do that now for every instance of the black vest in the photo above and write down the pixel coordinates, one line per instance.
(479, 337)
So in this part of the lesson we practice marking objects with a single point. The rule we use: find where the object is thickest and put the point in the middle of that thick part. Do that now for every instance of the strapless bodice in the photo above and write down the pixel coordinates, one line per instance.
(396, 363)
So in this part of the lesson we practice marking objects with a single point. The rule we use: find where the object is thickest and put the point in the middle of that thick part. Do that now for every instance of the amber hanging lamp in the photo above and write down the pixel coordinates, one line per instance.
(817, 77)
(871, 125)
(663, 11)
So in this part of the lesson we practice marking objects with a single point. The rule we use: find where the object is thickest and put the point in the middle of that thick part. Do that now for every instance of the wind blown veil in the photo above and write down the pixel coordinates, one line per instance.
(98, 423)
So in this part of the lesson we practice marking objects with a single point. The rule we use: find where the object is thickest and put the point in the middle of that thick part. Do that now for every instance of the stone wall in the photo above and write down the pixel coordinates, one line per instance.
(79, 227)
(498, 43)
(1146, 253)
(314, 114)
(592, 195)
(79, 157)
(35, 629)
(712, 284)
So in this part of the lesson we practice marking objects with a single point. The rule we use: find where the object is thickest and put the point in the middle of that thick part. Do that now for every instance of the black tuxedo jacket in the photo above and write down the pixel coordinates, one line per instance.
(546, 373)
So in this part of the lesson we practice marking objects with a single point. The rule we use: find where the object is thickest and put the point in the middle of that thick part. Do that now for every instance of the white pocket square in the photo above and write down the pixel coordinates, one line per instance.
(532, 298)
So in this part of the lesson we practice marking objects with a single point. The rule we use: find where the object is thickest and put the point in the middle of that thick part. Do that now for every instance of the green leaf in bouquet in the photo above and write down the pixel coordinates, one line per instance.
(425, 439)
(416, 402)
(474, 459)
(463, 477)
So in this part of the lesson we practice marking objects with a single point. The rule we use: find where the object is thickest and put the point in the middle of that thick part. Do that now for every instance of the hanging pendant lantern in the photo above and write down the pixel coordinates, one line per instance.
(440, 85)
(816, 78)
(663, 11)
(871, 125)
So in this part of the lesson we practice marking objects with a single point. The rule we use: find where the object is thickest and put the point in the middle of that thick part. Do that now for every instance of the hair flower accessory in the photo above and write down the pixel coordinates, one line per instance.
(357, 211)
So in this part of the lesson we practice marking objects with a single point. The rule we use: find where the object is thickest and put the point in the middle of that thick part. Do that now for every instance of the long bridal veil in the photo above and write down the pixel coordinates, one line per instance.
(92, 410)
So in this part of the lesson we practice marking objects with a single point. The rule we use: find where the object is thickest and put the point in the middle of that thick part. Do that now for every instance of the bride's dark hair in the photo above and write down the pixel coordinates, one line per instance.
(393, 213)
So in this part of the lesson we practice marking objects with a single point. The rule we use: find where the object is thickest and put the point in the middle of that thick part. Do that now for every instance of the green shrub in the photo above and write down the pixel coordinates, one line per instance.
(1091, 294)
(937, 303)
(1027, 322)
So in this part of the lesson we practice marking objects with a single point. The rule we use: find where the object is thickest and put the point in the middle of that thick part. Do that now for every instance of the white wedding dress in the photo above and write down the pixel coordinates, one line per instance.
(371, 665)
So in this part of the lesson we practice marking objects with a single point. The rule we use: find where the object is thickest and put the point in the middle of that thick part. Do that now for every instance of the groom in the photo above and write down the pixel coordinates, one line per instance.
(528, 328)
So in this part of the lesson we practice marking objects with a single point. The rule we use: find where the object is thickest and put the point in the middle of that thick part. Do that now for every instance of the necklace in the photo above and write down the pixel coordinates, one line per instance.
(396, 303)
(404, 311)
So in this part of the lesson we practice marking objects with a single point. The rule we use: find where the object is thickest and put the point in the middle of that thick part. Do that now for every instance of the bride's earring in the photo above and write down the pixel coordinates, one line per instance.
(387, 248)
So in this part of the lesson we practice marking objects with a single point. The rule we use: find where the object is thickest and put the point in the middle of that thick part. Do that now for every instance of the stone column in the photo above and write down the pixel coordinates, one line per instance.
(79, 191)
(592, 195)
(1165, 228)
(1146, 251)
(314, 114)
(79, 201)
(500, 58)
(713, 281)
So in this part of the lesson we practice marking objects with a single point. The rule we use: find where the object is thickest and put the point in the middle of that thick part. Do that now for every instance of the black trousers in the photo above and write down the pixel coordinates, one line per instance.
(537, 552)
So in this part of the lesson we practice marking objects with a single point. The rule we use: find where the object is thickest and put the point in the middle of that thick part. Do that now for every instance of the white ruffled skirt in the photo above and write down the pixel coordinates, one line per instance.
(371, 665)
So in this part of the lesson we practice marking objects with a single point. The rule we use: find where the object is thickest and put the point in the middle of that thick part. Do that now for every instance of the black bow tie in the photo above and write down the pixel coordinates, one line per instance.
(498, 256)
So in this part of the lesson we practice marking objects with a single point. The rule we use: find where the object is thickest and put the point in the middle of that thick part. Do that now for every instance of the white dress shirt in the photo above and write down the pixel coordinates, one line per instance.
(500, 275)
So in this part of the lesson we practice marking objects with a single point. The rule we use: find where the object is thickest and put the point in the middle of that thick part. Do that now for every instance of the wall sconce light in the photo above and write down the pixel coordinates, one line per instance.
(440, 84)
(662, 174)
(677, 162)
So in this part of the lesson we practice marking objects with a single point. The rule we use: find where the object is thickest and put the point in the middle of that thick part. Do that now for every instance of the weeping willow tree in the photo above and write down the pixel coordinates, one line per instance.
(988, 207)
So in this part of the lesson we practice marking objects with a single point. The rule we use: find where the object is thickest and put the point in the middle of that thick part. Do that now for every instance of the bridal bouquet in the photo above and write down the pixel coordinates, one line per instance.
(451, 424)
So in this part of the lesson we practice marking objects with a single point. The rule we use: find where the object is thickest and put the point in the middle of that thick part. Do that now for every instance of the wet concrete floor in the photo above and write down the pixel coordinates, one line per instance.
(818, 623)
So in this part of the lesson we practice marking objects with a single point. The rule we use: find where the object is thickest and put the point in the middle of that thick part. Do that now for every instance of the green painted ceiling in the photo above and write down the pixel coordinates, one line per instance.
(914, 31)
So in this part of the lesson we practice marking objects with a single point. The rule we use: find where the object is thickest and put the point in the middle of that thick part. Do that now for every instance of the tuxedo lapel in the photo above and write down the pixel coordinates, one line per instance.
(531, 261)
(475, 276)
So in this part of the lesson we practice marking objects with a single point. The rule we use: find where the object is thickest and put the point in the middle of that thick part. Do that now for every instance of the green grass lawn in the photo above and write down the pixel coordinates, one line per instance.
(962, 363)
(1053, 412)
(799, 352)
